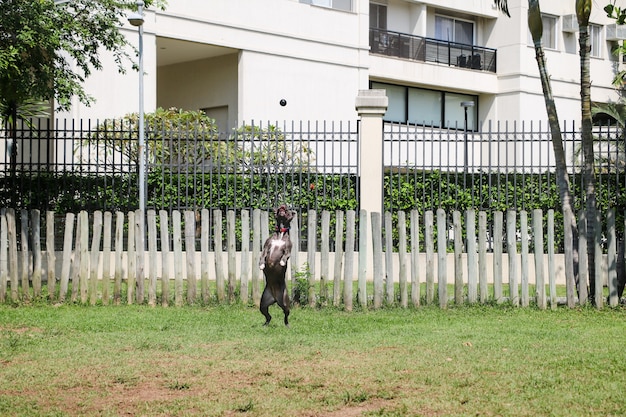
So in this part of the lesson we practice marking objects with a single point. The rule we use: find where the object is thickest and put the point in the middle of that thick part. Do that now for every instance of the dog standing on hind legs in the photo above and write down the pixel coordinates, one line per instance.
(273, 263)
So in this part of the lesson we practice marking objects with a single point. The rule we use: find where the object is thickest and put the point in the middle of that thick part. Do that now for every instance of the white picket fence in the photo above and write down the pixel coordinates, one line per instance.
(100, 263)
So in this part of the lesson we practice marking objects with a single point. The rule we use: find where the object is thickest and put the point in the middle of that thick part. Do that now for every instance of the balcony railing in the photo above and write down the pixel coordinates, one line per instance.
(417, 48)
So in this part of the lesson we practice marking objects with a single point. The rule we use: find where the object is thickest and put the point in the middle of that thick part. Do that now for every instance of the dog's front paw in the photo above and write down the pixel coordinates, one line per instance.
(283, 263)
(261, 266)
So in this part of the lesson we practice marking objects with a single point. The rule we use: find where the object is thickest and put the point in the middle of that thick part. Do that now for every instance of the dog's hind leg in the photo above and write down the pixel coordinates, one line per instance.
(267, 299)
(283, 302)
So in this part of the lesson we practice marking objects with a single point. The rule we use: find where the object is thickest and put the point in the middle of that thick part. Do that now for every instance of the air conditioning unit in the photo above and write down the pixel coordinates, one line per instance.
(615, 32)
(570, 23)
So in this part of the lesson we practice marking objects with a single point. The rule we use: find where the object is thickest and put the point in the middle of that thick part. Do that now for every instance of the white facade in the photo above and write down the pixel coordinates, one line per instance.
(238, 59)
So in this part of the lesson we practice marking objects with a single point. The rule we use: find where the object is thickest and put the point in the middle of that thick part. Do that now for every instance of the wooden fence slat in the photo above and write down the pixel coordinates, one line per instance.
(311, 251)
(36, 233)
(599, 281)
(611, 258)
(511, 249)
(568, 249)
(165, 257)
(256, 253)
(94, 256)
(177, 246)
(294, 233)
(497, 256)
(377, 252)
(190, 255)
(25, 254)
(389, 275)
(415, 280)
(245, 256)
(230, 249)
(205, 225)
(4, 260)
(523, 217)
(338, 258)
(551, 261)
(482, 257)
(324, 256)
(106, 256)
(217, 249)
(442, 272)
(119, 250)
(458, 257)
(140, 251)
(472, 265)
(50, 256)
(131, 259)
(583, 264)
(84, 257)
(152, 258)
(75, 272)
(13, 259)
(362, 261)
(349, 259)
(429, 243)
(404, 302)
(540, 284)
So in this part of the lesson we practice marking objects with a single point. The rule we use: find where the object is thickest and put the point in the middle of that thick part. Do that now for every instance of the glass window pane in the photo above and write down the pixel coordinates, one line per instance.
(549, 32)
(454, 113)
(464, 32)
(444, 29)
(595, 39)
(396, 112)
(342, 5)
(378, 16)
(424, 107)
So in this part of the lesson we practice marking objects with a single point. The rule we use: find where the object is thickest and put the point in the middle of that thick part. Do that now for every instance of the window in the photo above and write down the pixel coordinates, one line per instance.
(428, 107)
(549, 37)
(378, 16)
(595, 40)
(454, 30)
(333, 4)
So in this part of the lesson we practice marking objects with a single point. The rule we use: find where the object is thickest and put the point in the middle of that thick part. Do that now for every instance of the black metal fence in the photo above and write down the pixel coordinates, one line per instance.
(76, 165)
(92, 165)
(506, 166)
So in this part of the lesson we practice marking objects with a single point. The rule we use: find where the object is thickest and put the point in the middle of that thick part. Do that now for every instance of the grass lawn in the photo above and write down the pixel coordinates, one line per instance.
(220, 361)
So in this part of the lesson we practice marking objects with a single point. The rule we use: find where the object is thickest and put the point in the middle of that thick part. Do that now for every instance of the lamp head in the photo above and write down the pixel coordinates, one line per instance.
(136, 18)
(467, 104)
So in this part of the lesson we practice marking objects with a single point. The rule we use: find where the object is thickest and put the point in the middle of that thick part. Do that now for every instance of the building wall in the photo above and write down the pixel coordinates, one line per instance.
(203, 84)
(317, 59)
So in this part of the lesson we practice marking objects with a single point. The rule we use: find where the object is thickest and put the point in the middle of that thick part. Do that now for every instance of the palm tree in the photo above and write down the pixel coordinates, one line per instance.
(583, 10)
(570, 233)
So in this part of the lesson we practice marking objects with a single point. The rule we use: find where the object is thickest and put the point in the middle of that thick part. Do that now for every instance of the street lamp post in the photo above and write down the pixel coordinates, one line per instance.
(136, 19)
(465, 105)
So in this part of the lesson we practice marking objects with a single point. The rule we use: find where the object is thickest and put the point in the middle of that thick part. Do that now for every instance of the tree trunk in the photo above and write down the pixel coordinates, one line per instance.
(570, 233)
(583, 10)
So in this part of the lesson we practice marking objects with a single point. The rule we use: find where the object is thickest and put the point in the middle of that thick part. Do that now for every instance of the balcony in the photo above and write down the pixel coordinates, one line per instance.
(417, 48)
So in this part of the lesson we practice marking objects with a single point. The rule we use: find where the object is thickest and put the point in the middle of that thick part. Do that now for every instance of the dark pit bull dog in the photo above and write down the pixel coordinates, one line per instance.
(273, 263)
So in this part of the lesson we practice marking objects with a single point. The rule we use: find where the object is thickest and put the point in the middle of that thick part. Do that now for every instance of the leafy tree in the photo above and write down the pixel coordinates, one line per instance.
(47, 51)
(183, 140)
(174, 137)
(619, 15)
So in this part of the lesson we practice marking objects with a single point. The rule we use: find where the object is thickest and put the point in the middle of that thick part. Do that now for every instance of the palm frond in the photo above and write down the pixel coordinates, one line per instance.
(503, 6)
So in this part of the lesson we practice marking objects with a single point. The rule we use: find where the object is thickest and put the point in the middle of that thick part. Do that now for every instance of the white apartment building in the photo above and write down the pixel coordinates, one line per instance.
(306, 60)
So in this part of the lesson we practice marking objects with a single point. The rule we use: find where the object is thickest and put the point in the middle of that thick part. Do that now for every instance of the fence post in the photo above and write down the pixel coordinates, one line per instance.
(371, 105)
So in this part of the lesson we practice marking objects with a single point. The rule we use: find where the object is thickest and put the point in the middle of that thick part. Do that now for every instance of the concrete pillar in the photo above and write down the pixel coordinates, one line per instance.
(371, 105)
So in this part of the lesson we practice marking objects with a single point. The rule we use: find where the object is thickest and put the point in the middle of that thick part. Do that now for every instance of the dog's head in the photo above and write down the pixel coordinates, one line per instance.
(283, 216)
